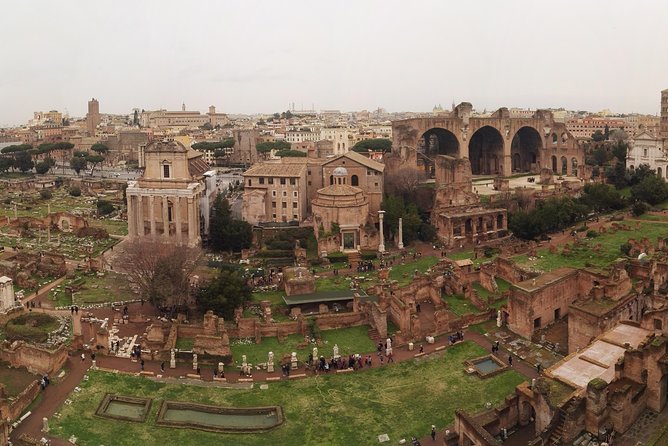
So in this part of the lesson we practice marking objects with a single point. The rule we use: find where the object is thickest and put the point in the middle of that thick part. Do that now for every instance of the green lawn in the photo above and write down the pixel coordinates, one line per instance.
(15, 380)
(401, 400)
(183, 343)
(275, 297)
(584, 255)
(332, 283)
(350, 340)
(404, 273)
(32, 327)
(112, 287)
(459, 304)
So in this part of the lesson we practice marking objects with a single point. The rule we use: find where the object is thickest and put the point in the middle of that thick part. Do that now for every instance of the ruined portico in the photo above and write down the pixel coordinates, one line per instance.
(164, 203)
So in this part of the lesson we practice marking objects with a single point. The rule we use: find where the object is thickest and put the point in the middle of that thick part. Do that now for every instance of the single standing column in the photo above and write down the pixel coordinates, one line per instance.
(165, 217)
(140, 216)
(191, 222)
(131, 217)
(400, 245)
(151, 213)
(177, 209)
(381, 244)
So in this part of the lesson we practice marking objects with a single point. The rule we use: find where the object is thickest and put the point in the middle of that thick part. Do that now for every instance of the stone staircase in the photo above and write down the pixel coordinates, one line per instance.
(373, 335)
(354, 258)
(558, 432)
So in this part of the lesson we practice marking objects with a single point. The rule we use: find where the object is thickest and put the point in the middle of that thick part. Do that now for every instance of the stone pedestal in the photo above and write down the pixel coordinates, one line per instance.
(194, 361)
(172, 361)
(45, 425)
(293, 361)
(336, 352)
(400, 244)
(220, 368)
(410, 346)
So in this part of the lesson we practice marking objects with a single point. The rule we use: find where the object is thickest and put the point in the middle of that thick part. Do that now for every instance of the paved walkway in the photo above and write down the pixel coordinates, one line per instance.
(54, 396)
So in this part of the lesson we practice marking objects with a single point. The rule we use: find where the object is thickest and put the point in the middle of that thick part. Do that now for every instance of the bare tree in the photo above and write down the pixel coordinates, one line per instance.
(404, 181)
(162, 271)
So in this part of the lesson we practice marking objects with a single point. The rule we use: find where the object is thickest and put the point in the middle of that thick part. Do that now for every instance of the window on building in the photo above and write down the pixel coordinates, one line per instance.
(644, 152)
(261, 180)
(273, 193)
(295, 217)
(166, 171)
(658, 324)
(354, 180)
(270, 180)
(294, 194)
(536, 323)
(284, 205)
(273, 216)
(273, 204)
(285, 193)
(249, 182)
(292, 181)
(282, 181)
(170, 211)
(309, 183)
(294, 204)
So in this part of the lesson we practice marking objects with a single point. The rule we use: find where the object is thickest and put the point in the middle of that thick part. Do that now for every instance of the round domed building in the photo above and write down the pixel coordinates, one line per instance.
(341, 215)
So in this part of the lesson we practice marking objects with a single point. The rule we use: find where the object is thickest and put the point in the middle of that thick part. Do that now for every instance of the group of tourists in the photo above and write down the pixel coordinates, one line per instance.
(74, 309)
(459, 336)
(45, 381)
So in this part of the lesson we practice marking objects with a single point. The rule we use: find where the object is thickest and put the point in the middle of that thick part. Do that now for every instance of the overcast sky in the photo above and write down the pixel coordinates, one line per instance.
(259, 56)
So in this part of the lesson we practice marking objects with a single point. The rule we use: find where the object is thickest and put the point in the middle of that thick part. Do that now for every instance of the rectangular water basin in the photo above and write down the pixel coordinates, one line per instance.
(485, 366)
(219, 419)
(124, 408)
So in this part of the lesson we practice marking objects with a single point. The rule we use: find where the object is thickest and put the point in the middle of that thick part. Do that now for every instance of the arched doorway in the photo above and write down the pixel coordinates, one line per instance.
(574, 166)
(486, 151)
(554, 164)
(564, 166)
(434, 142)
(526, 147)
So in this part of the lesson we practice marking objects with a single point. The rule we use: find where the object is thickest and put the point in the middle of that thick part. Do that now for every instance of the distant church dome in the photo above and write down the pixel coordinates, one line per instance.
(340, 172)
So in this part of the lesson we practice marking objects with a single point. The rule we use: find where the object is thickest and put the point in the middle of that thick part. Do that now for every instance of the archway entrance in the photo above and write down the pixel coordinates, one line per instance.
(486, 151)
(554, 164)
(525, 150)
(434, 142)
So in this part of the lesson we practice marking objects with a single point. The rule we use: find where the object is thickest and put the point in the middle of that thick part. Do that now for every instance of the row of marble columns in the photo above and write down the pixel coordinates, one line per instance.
(136, 218)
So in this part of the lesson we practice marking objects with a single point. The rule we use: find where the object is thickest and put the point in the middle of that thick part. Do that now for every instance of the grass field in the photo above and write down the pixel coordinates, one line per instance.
(15, 380)
(112, 287)
(350, 340)
(585, 256)
(404, 273)
(459, 304)
(401, 400)
(34, 327)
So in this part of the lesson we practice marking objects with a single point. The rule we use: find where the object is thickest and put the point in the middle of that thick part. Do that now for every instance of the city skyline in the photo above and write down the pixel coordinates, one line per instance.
(259, 57)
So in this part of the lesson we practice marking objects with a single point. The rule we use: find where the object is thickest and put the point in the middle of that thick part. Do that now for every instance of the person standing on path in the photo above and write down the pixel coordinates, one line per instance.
(162, 367)
(141, 363)
(510, 360)
(433, 432)
(83, 357)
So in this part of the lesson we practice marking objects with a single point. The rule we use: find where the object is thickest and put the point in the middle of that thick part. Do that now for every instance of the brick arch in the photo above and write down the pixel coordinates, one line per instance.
(486, 151)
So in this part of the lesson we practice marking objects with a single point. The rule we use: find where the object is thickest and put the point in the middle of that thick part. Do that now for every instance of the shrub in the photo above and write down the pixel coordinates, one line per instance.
(639, 208)
(337, 257)
(75, 191)
(426, 232)
(592, 234)
(625, 248)
(45, 194)
(104, 207)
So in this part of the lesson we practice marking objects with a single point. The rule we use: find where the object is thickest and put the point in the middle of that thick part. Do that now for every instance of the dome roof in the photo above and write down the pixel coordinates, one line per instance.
(340, 172)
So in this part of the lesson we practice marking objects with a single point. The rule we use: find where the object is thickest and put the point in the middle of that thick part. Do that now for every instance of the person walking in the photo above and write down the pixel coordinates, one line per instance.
(433, 432)
(83, 357)
(510, 360)
(141, 364)
(162, 367)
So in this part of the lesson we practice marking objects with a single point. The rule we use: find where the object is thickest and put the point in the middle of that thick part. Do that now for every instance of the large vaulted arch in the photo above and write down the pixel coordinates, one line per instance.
(525, 150)
(486, 151)
(434, 142)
